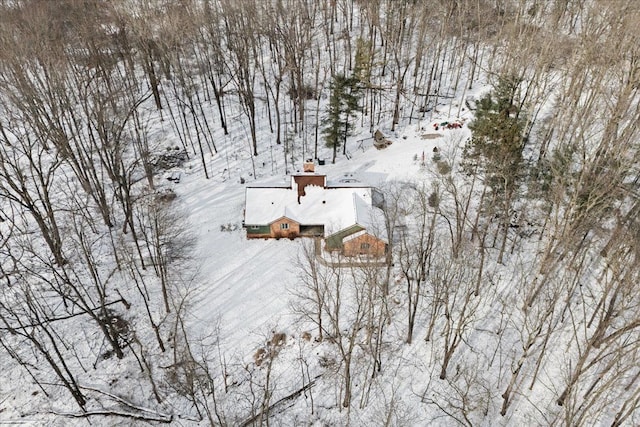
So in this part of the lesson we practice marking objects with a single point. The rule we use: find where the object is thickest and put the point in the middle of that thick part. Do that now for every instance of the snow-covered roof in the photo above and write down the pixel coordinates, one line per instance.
(370, 218)
(335, 208)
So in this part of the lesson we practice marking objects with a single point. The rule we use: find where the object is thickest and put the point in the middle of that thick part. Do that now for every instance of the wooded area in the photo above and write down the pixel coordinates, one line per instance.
(530, 303)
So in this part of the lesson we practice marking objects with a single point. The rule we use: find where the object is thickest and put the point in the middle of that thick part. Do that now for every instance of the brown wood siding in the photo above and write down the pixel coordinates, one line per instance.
(258, 236)
(304, 180)
(292, 232)
(354, 247)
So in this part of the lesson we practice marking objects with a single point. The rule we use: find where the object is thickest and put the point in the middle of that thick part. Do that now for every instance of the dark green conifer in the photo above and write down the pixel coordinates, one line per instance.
(497, 140)
(343, 101)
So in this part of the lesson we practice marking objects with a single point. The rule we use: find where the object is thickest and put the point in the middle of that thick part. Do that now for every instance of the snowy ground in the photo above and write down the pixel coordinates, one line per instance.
(245, 282)
(243, 286)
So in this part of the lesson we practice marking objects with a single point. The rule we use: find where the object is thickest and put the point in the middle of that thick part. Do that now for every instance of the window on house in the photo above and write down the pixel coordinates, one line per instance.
(284, 226)
(255, 227)
(364, 246)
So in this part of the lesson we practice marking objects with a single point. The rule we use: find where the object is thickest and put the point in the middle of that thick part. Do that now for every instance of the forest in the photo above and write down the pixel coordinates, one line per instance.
(510, 295)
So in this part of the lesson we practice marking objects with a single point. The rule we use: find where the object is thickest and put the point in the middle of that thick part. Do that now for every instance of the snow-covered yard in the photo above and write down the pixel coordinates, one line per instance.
(245, 283)
(130, 294)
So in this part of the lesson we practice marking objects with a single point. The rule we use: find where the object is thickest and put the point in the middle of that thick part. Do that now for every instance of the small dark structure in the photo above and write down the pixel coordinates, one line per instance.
(380, 141)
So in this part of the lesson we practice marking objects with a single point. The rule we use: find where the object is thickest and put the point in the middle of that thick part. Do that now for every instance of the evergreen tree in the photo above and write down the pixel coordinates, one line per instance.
(496, 148)
(345, 94)
(497, 140)
(362, 67)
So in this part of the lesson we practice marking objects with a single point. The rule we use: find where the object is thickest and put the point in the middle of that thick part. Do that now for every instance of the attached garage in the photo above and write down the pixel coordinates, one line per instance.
(363, 243)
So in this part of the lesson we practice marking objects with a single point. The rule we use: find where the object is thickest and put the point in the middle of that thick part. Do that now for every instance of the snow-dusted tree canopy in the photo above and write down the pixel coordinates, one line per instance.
(505, 158)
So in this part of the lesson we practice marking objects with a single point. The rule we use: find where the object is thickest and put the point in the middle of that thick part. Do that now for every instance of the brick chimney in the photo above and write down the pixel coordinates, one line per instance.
(302, 180)
(309, 166)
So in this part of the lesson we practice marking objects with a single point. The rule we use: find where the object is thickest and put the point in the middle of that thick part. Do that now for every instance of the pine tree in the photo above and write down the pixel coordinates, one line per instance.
(496, 149)
(345, 95)
(362, 67)
(497, 140)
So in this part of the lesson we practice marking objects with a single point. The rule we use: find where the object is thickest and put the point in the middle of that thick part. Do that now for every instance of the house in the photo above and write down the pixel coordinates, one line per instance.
(343, 214)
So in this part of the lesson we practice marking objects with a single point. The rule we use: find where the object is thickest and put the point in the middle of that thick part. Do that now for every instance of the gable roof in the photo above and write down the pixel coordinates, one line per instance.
(370, 218)
(363, 233)
(335, 208)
